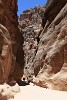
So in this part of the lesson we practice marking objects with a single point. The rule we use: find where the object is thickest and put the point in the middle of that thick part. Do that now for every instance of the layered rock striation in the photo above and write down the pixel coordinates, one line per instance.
(39, 45)
(45, 49)
(5, 54)
(10, 21)
(10, 41)
(52, 50)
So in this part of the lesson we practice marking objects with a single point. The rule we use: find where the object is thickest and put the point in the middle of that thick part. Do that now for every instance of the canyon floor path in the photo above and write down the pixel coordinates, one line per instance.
(31, 92)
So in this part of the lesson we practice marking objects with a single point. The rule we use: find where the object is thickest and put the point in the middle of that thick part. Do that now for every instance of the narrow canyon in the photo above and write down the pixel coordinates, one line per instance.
(33, 49)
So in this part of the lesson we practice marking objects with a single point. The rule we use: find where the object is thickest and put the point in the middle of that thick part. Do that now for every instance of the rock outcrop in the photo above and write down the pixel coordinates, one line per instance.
(45, 49)
(53, 7)
(52, 52)
(10, 21)
(5, 54)
(10, 41)
(7, 92)
(39, 44)
(30, 27)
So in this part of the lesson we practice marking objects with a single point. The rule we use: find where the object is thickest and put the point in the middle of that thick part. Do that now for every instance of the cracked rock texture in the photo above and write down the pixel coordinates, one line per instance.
(45, 48)
(30, 27)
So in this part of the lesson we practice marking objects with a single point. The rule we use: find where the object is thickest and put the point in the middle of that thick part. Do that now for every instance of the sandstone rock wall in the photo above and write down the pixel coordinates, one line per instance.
(41, 43)
(10, 21)
(45, 52)
(30, 27)
(11, 41)
(5, 54)
(52, 50)
(53, 7)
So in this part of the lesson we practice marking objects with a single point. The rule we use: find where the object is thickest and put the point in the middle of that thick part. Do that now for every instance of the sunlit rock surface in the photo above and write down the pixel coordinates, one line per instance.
(30, 26)
(45, 49)
(38, 44)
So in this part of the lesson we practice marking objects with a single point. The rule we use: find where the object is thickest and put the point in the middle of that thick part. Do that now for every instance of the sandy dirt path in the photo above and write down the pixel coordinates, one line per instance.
(31, 92)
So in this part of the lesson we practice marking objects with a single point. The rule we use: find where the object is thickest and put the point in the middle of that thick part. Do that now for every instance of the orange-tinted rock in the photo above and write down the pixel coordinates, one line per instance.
(50, 58)
(10, 21)
(45, 50)
(53, 47)
(5, 54)
(11, 41)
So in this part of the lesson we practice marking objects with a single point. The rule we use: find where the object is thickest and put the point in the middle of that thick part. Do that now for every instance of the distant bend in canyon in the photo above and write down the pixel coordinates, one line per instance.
(36, 47)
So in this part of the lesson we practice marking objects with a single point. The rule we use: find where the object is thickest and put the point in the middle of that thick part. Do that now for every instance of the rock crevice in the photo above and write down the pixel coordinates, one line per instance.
(48, 62)
(38, 48)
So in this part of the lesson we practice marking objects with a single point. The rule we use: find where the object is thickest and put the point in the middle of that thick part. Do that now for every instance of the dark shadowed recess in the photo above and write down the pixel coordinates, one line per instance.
(53, 7)
(20, 52)
(22, 83)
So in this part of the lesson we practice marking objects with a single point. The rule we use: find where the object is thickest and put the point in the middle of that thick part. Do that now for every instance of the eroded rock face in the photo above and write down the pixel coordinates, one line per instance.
(10, 41)
(48, 61)
(7, 92)
(52, 51)
(5, 54)
(10, 21)
(1, 11)
(30, 27)
(53, 7)
(45, 50)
